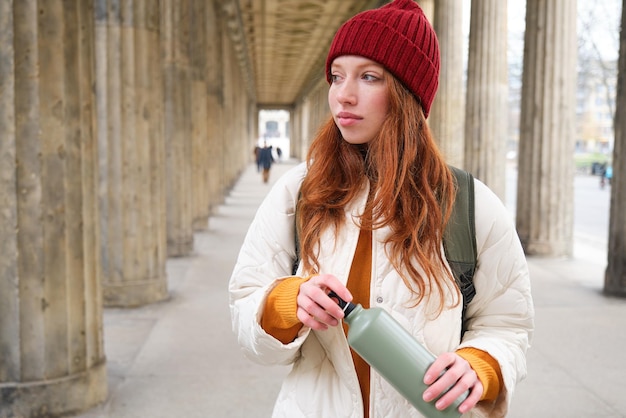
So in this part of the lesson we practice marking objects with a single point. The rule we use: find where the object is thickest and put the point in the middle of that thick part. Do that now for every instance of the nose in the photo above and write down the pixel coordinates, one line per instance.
(346, 92)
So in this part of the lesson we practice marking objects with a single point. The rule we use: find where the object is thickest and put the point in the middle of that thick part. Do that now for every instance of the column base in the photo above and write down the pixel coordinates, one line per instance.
(547, 248)
(180, 248)
(135, 293)
(55, 397)
(201, 223)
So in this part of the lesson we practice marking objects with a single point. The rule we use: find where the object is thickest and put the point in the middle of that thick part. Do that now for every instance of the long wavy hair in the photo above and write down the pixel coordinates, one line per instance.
(412, 192)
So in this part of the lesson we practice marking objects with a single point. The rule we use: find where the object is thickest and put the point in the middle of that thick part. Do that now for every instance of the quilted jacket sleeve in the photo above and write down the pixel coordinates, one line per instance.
(265, 258)
(501, 315)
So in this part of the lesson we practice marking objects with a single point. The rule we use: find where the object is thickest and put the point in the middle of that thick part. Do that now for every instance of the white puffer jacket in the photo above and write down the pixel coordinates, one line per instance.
(323, 381)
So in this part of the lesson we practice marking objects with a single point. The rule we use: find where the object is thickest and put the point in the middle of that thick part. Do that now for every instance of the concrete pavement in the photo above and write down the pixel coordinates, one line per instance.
(179, 358)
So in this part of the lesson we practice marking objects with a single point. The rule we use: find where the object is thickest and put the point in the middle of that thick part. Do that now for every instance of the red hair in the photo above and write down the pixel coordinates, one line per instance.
(413, 191)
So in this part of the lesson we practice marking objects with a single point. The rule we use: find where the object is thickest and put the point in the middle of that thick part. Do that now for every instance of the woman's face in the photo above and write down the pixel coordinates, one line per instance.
(358, 97)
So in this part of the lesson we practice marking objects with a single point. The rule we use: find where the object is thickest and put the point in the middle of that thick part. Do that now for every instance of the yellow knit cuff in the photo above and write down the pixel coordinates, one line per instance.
(281, 305)
(279, 317)
(487, 369)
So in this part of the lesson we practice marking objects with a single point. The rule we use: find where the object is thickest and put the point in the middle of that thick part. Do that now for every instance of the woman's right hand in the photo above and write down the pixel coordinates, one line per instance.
(316, 309)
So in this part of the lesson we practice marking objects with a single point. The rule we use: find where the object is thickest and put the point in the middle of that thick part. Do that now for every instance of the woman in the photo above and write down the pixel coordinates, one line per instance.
(371, 212)
(265, 160)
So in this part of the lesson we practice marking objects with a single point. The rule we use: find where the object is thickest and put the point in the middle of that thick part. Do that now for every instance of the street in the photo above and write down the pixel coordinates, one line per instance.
(591, 207)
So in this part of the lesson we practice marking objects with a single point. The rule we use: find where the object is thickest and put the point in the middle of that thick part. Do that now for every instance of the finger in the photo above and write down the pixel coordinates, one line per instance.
(438, 368)
(327, 314)
(308, 302)
(331, 306)
(461, 387)
(457, 379)
(311, 291)
(474, 397)
(328, 282)
(310, 321)
(317, 289)
(451, 369)
(315, 303)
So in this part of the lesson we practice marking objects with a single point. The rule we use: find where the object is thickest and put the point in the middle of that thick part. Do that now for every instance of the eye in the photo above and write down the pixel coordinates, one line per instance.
(335, 78)
(370, 77)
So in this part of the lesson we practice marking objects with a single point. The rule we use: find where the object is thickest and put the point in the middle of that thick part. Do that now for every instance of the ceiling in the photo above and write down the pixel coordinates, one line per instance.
(282, 44)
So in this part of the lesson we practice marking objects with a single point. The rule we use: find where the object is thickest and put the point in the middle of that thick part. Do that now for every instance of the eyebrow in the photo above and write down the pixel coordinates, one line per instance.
(361, 66)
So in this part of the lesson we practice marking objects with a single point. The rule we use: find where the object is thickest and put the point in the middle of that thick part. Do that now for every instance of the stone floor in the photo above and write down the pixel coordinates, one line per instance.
(179, 358)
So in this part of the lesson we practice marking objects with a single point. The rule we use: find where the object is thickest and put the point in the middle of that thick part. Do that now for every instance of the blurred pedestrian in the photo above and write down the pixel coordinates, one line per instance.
(265, 161)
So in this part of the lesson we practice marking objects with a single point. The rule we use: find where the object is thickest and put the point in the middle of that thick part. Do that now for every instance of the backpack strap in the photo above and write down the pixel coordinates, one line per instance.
(296, 261)
(459, 241)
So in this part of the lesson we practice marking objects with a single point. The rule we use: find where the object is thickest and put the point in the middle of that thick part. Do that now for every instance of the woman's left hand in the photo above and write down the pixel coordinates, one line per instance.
(458, 376)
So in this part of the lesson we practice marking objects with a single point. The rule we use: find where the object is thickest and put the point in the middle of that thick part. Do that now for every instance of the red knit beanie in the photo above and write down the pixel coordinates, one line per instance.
(399, 37)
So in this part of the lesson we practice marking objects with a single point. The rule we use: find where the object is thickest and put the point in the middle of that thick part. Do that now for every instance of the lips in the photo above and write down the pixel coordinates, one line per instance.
(347, 118)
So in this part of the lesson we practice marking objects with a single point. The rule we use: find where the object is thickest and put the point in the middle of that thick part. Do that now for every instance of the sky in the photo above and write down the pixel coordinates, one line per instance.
(601, 17)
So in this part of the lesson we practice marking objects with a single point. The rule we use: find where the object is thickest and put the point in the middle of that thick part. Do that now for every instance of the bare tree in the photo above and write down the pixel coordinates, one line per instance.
(597, 67)
(615, 278)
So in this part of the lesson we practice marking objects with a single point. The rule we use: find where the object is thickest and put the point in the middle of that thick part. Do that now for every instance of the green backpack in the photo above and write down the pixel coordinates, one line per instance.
(459, 240)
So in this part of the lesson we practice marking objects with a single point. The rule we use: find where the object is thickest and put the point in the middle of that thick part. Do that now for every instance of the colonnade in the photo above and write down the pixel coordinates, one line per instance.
(122, 124)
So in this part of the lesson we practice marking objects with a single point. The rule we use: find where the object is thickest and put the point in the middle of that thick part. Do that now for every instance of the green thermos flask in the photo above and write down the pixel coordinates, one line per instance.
(387, 347)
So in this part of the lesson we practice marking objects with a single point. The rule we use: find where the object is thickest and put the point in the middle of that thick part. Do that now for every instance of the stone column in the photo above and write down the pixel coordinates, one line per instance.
(229, 68)
(109, 115)
(547, 137)
(255, 126)
(238, 140)
(486, 110)
(312, 111)
(52, 360)
(151, 84)
(10, 309)
(177, 114)
(249, 140)
(133, 262)
(428, 6)
(215, 105)
(150, 283)
(615, 278)
(199, 116)
(297, 125)
(291, 129)
(447, 111)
